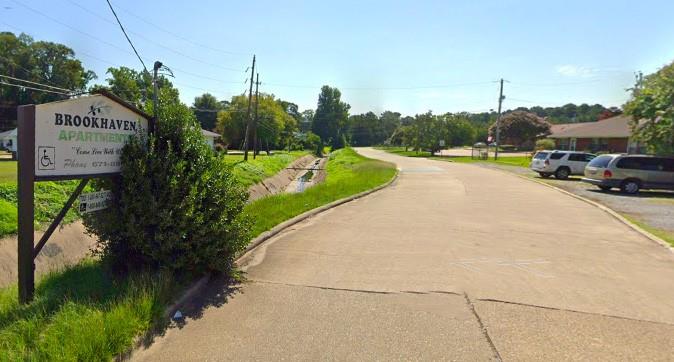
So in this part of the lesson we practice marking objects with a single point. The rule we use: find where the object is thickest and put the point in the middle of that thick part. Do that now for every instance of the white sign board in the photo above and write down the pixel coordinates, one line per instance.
(95, 201)
(441, 143)
(83, 136)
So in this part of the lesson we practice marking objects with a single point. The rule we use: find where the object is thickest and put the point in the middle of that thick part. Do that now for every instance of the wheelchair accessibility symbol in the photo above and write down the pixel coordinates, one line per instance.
(46, 158)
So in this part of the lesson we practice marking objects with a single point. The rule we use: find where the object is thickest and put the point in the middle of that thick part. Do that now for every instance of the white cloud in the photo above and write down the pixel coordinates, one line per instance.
(569, 70)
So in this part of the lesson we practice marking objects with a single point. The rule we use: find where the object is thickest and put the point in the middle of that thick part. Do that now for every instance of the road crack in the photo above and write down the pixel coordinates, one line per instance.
(485, 332)
(352, 289)
(571, 311)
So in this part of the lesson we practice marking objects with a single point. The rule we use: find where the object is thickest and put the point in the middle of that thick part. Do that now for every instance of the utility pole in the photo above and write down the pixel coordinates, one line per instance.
(155, 96)
(246, 142)
(257, 84)
(498, 121)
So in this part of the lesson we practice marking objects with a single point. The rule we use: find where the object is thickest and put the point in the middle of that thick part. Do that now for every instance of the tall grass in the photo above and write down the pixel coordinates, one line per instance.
(81, 313)
(348, 173)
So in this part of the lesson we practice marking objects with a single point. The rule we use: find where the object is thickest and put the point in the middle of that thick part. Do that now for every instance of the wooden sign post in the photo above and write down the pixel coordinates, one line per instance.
(80, 138)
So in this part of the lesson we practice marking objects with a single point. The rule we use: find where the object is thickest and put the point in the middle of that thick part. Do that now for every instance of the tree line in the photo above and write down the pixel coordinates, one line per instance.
(281, 124)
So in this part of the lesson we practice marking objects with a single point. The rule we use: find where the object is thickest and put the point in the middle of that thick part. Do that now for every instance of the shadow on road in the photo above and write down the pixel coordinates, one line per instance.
(215, 293)
(642, 194)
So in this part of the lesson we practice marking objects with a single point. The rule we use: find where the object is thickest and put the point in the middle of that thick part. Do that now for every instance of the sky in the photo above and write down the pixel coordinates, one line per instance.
(404, 56)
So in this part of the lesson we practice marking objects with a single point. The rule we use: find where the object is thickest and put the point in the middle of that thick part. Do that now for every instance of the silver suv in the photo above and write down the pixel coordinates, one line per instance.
(631, 173)
(562, 164)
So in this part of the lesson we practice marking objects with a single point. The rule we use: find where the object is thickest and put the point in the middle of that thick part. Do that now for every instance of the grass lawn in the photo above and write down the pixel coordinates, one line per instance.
(518, 161)
(256, 170)
(50, 196)
(401, 151)
(7, 171)
(82, 314)
(348, 173)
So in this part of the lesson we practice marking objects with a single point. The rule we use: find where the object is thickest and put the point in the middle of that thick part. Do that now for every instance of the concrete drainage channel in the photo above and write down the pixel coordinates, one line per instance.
(314, 174)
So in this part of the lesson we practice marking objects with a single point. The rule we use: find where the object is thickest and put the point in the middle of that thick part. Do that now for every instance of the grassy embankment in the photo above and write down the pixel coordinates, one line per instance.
(348, 173)
(82, 313)
(256, 170)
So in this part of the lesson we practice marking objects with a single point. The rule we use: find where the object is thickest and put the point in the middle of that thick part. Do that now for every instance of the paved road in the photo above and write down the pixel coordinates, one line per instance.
(452, 262)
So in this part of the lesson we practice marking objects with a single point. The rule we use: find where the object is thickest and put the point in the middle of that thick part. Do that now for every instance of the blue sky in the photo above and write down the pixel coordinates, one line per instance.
(405, 56)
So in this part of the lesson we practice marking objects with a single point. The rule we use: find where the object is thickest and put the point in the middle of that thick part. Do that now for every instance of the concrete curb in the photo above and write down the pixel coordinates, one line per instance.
(607, 210)
(313, 212)
(203, 281)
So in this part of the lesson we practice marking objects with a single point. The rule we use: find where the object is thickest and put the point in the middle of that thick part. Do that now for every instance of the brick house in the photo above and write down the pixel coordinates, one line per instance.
(611, 135)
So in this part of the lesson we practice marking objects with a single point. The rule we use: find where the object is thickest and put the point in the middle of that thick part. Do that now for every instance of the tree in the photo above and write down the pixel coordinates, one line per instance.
(331, 117)
(389, 123)
(307, 120)
(430, 130)
(521, 129)
(205, 108)
(136, 87)
(652, 111)
(41, 62)
(460, 132)
(275, 125)
(365, 129)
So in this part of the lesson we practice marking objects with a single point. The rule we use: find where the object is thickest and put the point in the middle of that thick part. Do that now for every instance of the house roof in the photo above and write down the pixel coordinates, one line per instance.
(614, 127)
(10, 133)
(210, 134)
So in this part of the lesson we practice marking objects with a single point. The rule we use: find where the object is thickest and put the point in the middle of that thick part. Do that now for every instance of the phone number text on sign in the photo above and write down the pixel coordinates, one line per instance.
(95, 201)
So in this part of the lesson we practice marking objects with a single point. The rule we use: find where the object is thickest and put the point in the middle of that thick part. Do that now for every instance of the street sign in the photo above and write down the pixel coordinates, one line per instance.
(83, 136)
(441, 143)
(94, 201)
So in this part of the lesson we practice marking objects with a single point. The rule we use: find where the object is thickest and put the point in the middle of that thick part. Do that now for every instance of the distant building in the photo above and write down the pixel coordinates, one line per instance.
(210, 137)
(613, 135)
(8, 140)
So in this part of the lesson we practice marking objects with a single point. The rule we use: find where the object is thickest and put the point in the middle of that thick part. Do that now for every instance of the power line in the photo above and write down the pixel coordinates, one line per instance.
(384, 88)
(32, 88)
(173, 68)
(555, 84)
(112, 45)
(36, 83)
(126, 35)
(152, 41)
(180, 36)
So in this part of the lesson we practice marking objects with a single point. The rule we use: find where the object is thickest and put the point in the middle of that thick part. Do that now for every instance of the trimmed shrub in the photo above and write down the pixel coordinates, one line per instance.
(176, 204)
(545, 144)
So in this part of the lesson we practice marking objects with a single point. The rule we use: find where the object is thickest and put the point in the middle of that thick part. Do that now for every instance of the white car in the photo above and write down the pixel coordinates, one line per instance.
(562, 164)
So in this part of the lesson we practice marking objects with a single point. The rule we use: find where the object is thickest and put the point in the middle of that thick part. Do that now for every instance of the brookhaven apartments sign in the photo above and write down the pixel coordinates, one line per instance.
(79, 138)
(83, 136)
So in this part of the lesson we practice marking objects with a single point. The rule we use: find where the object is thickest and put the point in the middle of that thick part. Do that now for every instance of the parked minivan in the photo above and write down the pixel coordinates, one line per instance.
(562, 164)
(631, 173)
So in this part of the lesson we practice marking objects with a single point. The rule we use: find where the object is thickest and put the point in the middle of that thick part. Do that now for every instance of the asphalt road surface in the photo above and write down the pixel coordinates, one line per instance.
(451, 262)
